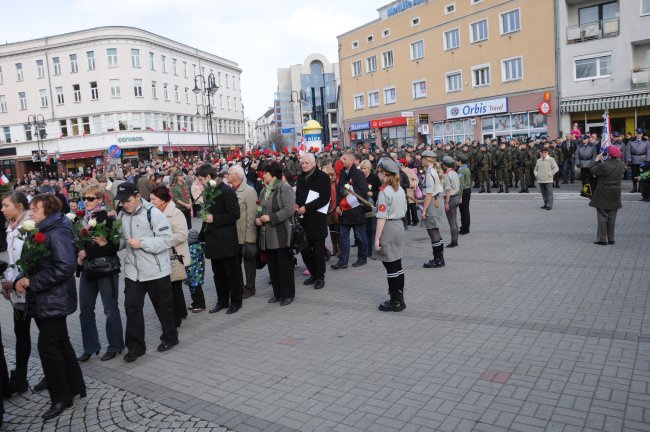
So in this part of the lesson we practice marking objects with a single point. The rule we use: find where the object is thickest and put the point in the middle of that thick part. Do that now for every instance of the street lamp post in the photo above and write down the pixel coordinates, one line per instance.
(37, 121)
(169, 123)
(209, 88)
(301, 97)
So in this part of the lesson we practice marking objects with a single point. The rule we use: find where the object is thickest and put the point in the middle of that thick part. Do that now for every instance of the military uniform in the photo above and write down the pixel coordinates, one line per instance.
(522, 162)
(502, 164)
(483, 166)
(532, 158)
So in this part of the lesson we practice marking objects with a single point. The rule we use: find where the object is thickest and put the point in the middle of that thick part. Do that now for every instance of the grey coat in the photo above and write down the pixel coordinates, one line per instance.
(636, 152)
(607, 195)
(280, 206)
(585, 155)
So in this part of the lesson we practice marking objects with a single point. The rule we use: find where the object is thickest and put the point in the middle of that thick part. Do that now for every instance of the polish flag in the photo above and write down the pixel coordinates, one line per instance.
(303, 148)
(184, 130)
(4, 180)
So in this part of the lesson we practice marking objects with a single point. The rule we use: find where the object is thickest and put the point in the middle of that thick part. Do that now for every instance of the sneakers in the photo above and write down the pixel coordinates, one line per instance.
(437, 263)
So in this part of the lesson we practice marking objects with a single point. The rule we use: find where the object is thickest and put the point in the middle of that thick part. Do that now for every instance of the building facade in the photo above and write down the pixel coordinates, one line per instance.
(307, 91)
(113, 86)
(604, 64)
(431, 71)
(265, 128)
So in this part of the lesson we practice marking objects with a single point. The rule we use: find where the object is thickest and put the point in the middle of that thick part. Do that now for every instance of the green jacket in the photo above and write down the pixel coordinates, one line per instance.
(180, 193)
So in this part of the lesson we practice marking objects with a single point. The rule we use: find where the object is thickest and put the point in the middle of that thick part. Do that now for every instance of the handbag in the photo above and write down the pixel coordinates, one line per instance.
(298, 236)
(101, 266)
(249, 250)
(178, 272)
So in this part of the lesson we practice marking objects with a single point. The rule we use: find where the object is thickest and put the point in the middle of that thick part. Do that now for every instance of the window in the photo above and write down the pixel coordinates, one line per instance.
(40, 70)
(176, 94)
(6, 131)
(163, 62)
(417, 50)
(136, 123)
(476, 1)
(135, 58)
(596, 13)
(187, 95)
(185, 69)
(94, 91)
(154, 90)
(355, 44)
(452, 39)
(220, 101)
(22, 98)
(481, 75)
(370, 39)
(645, 7)
(111, 53)
(373, 99)
(450, 8)
(358, 102)
(371, 64)
(60, 100)
(356, 68)
(19, 71)
(415, 22)
(152, 61)
(510, 22)
(165, 92)
(90, 56)
(385, 33)
(387, 59)
(228, 101)
(593, 67)
(3, 104)
(174, 66)
(512, 69)
(419, 89)
(76, 92)
(57, 65)
(2, 80)
(115, 88)
(74, 65)
(390, 95)
(453, 81)
(137, 87)
(479, 31)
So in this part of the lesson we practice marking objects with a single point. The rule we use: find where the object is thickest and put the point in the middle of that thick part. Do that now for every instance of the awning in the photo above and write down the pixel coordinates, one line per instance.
(605, 103)
(80, 155)
(184, 148)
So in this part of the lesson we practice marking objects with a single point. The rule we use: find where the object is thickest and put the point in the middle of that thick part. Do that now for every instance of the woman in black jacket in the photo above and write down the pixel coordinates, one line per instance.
(104, 283)
(51, 297)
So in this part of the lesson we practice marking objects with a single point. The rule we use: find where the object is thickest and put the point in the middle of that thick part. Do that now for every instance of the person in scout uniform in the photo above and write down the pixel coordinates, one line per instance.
(389, 236)
(483, 161)
(502, 162)
(181, 196)
(434, 208)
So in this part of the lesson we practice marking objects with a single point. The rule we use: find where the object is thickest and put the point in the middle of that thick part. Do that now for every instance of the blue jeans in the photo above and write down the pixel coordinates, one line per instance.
(371, 227)
(568, 169)
(360, 236)
(107, 287)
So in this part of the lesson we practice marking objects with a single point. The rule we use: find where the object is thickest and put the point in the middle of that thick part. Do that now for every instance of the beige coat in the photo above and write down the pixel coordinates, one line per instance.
(413, 183)
(178, 223)
(246, 229)
(545, 169)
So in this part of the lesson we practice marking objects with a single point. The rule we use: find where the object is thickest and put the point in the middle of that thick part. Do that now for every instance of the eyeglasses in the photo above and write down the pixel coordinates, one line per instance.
(90, 198)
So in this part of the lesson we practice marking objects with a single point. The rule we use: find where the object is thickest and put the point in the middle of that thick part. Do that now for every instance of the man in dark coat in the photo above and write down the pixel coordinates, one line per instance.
(607, 196)
(221, 242)
(312, 194)
(351, 217)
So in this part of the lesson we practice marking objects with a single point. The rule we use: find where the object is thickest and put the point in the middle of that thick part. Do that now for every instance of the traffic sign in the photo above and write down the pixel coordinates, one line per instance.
(114, 151)
(544, 108)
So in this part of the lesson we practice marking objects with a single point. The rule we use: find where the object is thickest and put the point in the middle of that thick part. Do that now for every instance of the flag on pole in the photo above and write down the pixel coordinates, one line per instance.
(303, 147)
(606, 138)
(4, 180)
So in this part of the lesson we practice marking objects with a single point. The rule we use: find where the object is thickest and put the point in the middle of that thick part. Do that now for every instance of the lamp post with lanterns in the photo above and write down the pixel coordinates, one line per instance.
(37, 121)
(208, 88)
(169, 123)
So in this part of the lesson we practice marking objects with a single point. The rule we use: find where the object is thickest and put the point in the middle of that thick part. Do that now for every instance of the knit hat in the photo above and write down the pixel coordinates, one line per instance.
(614, 151)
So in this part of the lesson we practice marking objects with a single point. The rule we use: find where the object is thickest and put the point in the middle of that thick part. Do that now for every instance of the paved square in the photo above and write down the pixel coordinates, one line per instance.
(529, 327)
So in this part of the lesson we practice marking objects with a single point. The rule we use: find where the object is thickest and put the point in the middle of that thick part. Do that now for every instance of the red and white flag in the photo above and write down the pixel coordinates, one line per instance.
(4, 180)
(303, 147)
(606, 138)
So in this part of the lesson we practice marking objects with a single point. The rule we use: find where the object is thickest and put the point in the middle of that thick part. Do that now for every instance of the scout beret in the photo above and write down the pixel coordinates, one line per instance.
(429, 153)
(448, 161)
(388, 165)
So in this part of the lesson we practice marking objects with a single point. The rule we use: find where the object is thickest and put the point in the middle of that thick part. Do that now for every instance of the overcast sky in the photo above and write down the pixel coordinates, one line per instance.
(259, 35)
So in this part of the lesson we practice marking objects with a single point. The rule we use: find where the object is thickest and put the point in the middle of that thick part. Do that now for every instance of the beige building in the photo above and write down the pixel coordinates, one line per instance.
(440, 70)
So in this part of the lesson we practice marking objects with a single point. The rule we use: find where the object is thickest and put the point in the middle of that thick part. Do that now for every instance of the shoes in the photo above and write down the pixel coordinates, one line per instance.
(274, 299)
(463, 232)
(286, 302)
(415, 223)
(233, 309)
(131, 356)
(109, 356)
(247, 293)
(309, 281)
(451, 245)
(338, 266)
(610, 242)
(166, 346)
(217, 308)
(86, 356)
(354, 245)
(600, 243)
(40, 386)
(391, 306)
(543, 207)
(17, 384)
(319, 284)
(56, 410)
(359, 263)
(548, 208)
(437, 263)
(190, 307)
(198, 309)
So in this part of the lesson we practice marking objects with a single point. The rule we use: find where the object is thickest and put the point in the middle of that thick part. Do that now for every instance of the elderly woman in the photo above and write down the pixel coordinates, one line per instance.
(607, 196)
(373, 191)
(179, 253)
(93, 281)
(52, 296)
(277, 201)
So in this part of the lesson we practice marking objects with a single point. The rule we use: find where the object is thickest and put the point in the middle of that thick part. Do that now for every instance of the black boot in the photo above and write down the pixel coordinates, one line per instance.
(482, 189)
(395, 304)
(557, 184)
(488, 188)
(17, 383)
(501, 189)
(507, 190)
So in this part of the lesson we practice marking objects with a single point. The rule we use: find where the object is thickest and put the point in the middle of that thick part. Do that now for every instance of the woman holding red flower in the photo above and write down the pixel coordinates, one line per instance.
(51, 297)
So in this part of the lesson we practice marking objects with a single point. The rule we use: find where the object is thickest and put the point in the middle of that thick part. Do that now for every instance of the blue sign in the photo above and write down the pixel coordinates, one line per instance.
(114, 151)
(312, 137)
(359, 126)
(404, 5)
(287, 131)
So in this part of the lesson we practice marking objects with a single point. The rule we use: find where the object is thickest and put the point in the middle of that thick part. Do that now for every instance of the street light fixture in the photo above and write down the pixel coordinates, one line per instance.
(209, 87)
(169, 122)
(37, 121)
(301, 97)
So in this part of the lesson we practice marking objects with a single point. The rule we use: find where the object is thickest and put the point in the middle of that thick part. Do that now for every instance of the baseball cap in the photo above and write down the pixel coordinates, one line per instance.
(126, 190)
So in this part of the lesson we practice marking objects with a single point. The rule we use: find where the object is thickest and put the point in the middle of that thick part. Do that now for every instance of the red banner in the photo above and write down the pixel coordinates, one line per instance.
(387, 122)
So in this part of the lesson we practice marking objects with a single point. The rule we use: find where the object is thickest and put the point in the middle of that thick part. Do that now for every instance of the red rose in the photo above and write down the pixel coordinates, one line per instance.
(39, 237)
(80, 213)
(258, 202)
(84, 232)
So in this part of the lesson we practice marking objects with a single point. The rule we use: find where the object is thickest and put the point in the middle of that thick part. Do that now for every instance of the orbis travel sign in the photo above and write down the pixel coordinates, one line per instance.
(486, 107)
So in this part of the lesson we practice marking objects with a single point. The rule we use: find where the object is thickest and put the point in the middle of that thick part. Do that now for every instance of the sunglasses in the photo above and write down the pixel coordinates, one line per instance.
(90, 198)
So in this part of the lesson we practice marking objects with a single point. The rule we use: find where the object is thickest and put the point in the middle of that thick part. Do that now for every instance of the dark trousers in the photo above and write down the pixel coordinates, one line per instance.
(178, 302)
(636, 172)
(606, 224)
(585, 175)
(280, 262)
(250, 270)
(464, 210)
(411, 215)
(314, 257)
(22, 324)
(4, 376)
(188, 216)
(60, 365)
(228, 280)
(160, 294)
(371, 228)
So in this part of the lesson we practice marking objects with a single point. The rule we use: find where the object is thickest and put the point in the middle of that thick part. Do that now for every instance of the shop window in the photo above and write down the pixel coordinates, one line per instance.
(453, 130)
(522, 124)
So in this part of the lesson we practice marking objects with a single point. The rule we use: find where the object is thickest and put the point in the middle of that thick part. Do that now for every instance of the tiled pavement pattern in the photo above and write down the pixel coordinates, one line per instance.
(529, 327)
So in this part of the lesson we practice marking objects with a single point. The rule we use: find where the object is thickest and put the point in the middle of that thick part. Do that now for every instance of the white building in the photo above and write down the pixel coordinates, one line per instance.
(265, 127)
(113, 85)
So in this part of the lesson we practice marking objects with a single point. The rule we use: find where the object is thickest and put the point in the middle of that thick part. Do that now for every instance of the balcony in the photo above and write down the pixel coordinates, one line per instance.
(593, 30)
(641, 80)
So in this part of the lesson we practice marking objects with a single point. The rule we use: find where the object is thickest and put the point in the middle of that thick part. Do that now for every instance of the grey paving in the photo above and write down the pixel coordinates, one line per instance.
(529, 327)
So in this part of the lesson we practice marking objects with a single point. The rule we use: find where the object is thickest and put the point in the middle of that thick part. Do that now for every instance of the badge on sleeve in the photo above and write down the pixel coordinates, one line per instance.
(382, 208)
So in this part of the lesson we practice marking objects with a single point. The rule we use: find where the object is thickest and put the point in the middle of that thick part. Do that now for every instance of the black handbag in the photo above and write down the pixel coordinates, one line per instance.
(298, 236)
(101, 266)
(249, 250)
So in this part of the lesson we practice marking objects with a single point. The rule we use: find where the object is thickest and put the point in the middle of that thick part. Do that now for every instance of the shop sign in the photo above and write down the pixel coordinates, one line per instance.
(544, 108)
(486, 107)
(359, 126)
(129, 139)
(424, 129)
(423, 118)
(404, 5)
(287, 131)
(407, 113)
(387, 122)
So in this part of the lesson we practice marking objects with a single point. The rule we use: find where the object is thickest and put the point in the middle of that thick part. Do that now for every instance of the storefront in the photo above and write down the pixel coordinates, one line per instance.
(361, 135)
(626, 113)
(396, 131)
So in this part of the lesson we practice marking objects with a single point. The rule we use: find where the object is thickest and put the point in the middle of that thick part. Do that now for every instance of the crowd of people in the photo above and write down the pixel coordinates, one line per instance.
(251, 210)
